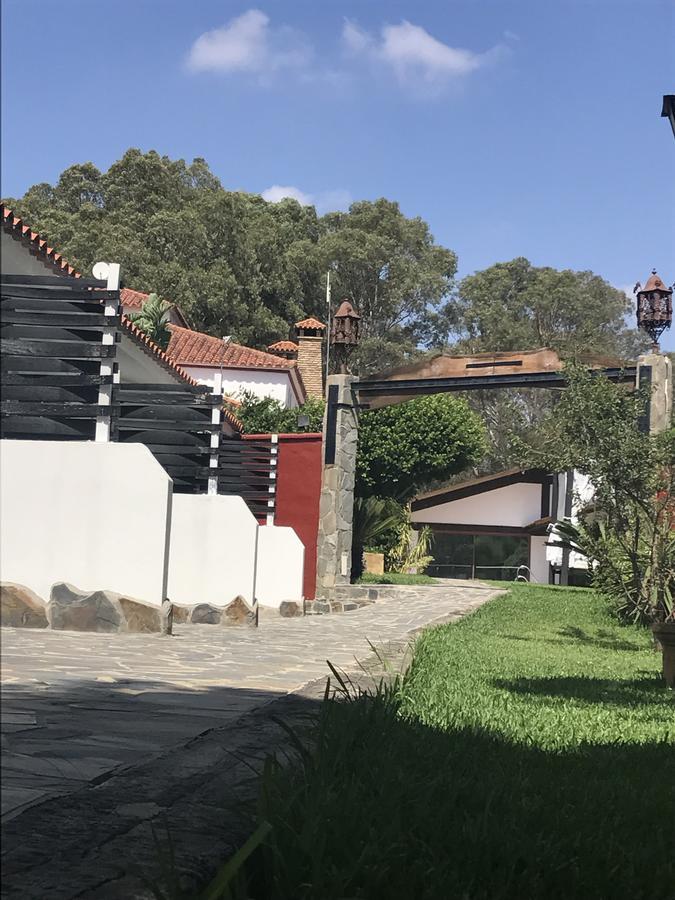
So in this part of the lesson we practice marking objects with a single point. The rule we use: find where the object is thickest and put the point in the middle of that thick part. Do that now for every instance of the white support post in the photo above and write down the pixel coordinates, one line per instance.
(216, 414)
(272, 489)
(107, 367)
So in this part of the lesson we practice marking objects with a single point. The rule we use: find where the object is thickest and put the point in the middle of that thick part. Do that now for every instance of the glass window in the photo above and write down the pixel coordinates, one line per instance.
(495, 556)
(453, 555)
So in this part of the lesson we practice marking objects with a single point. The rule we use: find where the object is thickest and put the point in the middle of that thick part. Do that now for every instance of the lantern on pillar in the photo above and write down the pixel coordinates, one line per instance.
(654, 307)
(344, 334)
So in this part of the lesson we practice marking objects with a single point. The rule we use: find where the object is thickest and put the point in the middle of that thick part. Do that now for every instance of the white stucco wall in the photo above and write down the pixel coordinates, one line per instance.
(517, 505)
(16, 258)
(262, 383)
(281, 557)
(538, 560)
(213, 550)
(95, 515)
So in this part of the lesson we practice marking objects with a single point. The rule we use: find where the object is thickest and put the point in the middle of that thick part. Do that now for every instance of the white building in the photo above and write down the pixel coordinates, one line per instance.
(206, 358)
(490, 527)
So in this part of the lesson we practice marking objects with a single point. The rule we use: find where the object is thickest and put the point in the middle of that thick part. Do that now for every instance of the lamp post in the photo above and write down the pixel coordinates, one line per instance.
(654, 308)
(344, 335)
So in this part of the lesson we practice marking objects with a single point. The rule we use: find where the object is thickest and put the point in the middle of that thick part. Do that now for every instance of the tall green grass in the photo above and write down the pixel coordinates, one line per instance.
(529, 753)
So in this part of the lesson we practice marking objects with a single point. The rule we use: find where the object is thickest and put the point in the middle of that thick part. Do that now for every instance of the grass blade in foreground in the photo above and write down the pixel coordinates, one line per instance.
(529, 753)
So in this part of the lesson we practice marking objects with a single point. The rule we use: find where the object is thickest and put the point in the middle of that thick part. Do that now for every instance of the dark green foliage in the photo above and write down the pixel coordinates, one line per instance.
(628, 531)
(240, 266)
(518, 306)
(529, 753)
(265, 415)
(153, 319)
(404, 448)
(376, 524)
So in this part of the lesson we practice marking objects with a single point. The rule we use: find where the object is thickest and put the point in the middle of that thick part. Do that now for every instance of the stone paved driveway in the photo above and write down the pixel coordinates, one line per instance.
(80, 708)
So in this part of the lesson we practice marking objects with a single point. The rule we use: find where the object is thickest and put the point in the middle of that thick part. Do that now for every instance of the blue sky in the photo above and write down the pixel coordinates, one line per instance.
(512, 127)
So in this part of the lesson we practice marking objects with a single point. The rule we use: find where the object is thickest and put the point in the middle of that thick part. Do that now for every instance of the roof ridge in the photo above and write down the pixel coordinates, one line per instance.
(137, 333)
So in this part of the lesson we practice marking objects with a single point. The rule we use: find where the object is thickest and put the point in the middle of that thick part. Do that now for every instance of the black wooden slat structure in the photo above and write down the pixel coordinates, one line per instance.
(248, 468)
(51, 342)
(52, 331)
(175, 423)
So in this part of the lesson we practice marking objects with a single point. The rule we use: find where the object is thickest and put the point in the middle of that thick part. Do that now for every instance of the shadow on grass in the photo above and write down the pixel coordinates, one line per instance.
(387, 808)
(631, 692)
(375, 806)
(602, 639)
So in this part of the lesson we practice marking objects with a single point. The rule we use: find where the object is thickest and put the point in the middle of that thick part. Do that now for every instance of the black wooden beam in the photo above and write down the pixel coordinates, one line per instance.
(52, 319)
(55, 281)
(66, 410)
(59, 349)
(422, 386)
(40, 380)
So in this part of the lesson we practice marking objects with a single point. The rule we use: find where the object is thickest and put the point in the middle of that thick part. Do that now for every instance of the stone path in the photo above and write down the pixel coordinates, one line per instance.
(80, 711)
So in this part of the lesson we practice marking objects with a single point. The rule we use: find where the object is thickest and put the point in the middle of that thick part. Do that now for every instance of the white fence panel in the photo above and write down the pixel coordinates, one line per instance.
(95, 515)
(281, 557)
(213, 550)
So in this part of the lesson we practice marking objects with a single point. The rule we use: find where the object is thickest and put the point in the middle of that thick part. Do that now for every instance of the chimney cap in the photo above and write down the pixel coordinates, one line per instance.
(311, 323)
(283, 347)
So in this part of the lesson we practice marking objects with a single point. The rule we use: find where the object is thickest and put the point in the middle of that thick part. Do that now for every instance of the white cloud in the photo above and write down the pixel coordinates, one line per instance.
(414, 54)
(278, 192)
(324, 201)
(354, 37)
(249, 44)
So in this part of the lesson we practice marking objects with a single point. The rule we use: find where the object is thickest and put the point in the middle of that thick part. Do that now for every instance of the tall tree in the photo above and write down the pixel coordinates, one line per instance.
(397, 277)
(239, 265)
(518, 306)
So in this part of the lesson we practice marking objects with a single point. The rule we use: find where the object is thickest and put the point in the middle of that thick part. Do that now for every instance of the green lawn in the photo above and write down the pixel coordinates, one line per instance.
(529, 753)
(395, 578)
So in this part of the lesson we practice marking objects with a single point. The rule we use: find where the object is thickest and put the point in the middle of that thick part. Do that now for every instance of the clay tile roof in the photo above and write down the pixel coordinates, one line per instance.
(311, 322)
(193, 348)
(284, 347)
(132, 299)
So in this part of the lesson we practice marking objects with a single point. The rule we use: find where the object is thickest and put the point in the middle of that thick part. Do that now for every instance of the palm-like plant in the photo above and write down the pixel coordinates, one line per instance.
(373, 518)
(153, 320)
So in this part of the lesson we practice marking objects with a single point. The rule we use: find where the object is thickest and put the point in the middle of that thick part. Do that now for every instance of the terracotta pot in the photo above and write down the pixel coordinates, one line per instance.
(664, 633)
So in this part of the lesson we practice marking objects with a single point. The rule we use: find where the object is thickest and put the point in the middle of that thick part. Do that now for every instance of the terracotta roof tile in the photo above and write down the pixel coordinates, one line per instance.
(311, 322)
(132, 299)
(284, 347)
(193, 348)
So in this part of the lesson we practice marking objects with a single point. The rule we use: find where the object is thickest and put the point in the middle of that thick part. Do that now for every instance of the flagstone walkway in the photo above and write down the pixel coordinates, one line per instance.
(79, 709)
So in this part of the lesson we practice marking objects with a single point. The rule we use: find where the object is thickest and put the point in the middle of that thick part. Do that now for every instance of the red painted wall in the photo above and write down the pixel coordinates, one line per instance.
(298, 492)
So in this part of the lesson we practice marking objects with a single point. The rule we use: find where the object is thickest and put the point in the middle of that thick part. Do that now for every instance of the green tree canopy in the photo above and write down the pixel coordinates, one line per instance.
(238, 265)
(265, 415)
(518, 306)
(405, 448)
(629, 532)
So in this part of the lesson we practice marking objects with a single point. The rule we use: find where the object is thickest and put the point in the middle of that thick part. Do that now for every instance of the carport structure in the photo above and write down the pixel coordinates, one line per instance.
(346, 395)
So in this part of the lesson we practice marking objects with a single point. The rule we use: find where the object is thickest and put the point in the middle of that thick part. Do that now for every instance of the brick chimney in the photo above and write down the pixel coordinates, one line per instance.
(310, 360)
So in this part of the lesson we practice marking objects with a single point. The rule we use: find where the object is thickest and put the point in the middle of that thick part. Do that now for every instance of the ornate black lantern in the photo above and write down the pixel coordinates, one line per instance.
(345, 334)
(654, 307)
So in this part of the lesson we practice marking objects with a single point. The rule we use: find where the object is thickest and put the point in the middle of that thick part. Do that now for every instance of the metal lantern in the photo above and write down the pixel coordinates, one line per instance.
(654, 307)
(345, 334)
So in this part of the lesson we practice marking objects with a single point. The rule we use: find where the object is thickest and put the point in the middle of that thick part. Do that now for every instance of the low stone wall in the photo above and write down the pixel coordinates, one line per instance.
(70, 609)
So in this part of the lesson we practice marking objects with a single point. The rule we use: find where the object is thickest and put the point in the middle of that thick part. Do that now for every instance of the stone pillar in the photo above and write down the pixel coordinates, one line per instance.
(340, 436)
(656, 370)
